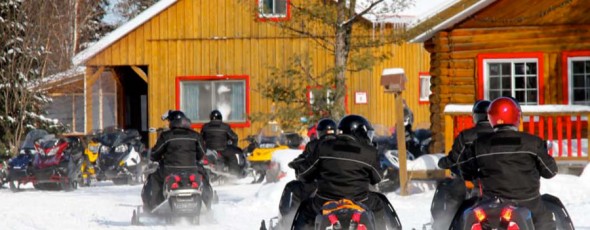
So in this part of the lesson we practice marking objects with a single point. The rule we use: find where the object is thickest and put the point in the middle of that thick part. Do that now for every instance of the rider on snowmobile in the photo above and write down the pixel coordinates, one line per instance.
(296, 190)
(335, 164)
(216, 135)
(179, 146)
(509, 163)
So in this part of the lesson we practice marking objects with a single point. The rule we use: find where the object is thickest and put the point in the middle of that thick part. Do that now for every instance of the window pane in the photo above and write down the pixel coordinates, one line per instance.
(424, 88)
(267, 6)
(520, 96)
(532, 97)
(230, 100)
(506, 82)
(506, 93)
(79, 113)
(579, 95)
(494, 83)
(578, 80)
(196, 100)
(587, 64)
(494, 69)
(281, 7)
(531, 82)
(519, 82)
(531, 68)
(506, 69)
(578, 67)
(494, 94)
(108, 111)
(61, 109)
(519, 68)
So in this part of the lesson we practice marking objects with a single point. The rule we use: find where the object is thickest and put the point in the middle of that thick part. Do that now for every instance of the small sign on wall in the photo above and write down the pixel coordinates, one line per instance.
(360, 97)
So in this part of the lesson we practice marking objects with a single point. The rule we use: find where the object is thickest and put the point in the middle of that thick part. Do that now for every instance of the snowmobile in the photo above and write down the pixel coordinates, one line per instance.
(457, 206)
(89, 166)
(270, 138)
(57, 163)
(219, 171)
(19, 168)
(495, 213)
(120, 156)
(183, 194)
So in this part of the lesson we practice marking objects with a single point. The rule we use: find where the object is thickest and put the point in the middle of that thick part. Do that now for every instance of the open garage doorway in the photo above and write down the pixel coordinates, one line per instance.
(133, 100)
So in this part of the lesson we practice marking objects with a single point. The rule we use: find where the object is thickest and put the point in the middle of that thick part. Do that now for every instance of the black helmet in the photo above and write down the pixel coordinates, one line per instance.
(325, 126)
(215, 115)
(480, 110)
(172, 115)
(356, 126)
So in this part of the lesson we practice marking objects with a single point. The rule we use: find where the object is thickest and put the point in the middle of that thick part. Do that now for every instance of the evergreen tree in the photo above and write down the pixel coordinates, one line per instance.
(92, 26)
(128, 9)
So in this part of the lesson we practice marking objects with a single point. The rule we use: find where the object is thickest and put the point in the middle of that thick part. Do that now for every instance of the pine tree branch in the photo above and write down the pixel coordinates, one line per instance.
(362, 13)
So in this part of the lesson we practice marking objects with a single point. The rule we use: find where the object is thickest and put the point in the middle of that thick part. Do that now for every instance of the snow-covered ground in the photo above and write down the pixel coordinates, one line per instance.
(242, 205)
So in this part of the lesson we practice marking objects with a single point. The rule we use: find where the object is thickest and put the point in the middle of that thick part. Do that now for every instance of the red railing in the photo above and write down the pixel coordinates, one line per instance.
(565, 127)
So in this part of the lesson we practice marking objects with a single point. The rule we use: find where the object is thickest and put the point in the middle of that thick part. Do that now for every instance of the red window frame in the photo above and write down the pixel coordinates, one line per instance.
(247, 123)
(308, 96)
(540, 72)
(420, 74)
(273, 19)
(565, 71)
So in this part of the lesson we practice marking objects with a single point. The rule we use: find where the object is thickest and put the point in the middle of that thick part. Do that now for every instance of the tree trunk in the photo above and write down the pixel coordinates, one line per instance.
(341, 51)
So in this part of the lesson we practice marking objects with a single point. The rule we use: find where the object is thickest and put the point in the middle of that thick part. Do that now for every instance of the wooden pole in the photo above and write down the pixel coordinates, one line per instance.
(401, 143)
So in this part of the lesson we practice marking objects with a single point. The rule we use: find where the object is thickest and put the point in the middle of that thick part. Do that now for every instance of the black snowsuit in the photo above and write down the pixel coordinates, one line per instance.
(179, 146)
(216, 137)
(509, 164)
(343, 168)
(451, 193)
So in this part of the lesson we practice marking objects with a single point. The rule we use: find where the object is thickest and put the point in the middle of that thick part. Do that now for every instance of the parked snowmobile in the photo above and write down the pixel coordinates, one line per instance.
(89, 166)
(183, 197)
(19, 170)
(120, 158)
(57, 163)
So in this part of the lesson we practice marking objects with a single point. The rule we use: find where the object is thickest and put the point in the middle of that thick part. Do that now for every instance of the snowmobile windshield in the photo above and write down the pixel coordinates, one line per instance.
(33, 136)
(269, 135)
(48, 141)
(112, 137)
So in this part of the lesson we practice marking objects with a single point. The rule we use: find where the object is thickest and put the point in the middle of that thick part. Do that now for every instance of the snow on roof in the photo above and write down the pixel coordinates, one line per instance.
(392, 71)
(65, 76)
(120, 32)
(431, 30)
(526, 109)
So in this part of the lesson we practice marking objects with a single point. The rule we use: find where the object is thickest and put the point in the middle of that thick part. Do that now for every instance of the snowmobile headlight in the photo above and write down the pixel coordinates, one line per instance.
(104, 149)
(121, 148)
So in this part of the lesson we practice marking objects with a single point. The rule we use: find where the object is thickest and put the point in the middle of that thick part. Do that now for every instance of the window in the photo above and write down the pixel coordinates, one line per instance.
(579, 80)
(68, 109)
(424, 88)
(198, 96)
(104, 101)
(517, 78)
(273, 9)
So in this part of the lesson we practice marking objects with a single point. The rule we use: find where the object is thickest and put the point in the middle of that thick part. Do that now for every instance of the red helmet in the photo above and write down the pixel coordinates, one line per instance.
(504, 111)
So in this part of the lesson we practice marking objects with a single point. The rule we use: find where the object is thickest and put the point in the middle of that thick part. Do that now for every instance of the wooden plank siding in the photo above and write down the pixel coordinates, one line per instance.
(207, 38)
(454, 62)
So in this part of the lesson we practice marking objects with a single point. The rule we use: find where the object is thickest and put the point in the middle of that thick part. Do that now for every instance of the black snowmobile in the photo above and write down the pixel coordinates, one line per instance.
(184, 194)
(455, 207)
(121, 156)
(220, 171)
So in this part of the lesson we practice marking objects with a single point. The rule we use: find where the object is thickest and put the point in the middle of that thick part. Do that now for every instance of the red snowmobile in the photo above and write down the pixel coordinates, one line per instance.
(56, 164)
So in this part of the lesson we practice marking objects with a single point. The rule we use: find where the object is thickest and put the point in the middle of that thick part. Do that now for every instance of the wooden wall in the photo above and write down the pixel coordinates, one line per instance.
(204, 38)
(454, 62)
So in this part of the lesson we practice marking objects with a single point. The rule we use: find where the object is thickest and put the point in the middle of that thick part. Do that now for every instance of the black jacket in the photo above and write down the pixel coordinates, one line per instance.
(508, 163)
(178, 147)
(343, 168)
(299, 163)
(463, 141)
(216, 135)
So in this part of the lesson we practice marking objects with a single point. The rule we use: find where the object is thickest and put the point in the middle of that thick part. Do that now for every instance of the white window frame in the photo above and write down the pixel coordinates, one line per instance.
(486, 76)
(261, 13)
(427, 98)
(213, 100)
(570, 75)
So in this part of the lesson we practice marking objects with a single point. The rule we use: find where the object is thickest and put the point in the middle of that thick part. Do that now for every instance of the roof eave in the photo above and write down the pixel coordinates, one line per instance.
(121, 31)
(427, 33)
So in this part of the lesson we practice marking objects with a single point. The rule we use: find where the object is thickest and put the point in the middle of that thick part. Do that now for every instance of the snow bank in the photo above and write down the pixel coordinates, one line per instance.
(283, 157)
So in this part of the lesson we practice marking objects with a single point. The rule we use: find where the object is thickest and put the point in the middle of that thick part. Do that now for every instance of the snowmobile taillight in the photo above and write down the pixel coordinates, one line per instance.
(476, 226)
(334, 221)
(205, 161)
(195, 185)
(356, 217)
(192, 177)
(174, 186)
(507, 214)
(480, 215)
(177, 178)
